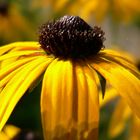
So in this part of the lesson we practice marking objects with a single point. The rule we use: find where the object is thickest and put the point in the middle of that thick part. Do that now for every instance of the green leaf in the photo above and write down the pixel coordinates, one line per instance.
(102, 84)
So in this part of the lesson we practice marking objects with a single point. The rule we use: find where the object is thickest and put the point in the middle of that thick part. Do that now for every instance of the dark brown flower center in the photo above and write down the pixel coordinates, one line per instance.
(4, 6)
(70, 37)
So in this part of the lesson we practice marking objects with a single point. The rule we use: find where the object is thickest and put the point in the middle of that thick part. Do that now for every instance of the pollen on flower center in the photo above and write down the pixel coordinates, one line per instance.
(4, 6)
(70, 37)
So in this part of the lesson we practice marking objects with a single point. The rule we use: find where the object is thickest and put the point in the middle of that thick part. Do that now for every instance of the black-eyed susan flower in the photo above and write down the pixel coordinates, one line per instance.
(71, 59)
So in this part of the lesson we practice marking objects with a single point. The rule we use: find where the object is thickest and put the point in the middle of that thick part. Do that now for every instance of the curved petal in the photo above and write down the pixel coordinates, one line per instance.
(11, 131)
(135, 129)
(8, 72)
(21, 53)
(17, 86)
(13, 66)
(88, 102)
(119, 119)
(118, 54)
(57, 105)
(16, 50)
(127, 85)
(3, 136)
(19, 46)
(125, 62)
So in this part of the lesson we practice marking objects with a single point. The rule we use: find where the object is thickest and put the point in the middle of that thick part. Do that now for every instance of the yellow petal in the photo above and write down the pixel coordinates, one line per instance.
(5, 49)
(119, 119)
(135, 129)
(127, 85)
(19, 46)
(7, 62)
(3, 136)
(88, 102)
(17, 86)
(11, 130)
(11, 67)
(16, 48)
(110, 94)
(126, 63)
(8, 72)
(57, 100)
(21, 53)
(119, 54)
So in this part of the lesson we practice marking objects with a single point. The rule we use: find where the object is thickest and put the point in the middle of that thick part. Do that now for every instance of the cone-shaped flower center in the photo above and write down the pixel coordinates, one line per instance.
(4, 6)
(70, 37)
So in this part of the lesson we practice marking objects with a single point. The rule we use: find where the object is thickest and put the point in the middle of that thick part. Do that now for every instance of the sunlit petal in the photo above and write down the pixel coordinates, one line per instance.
(17, 86)
(118, 54)
(11, 130)
(20, 53)
(88, 102)
(135, 129)
(57, 101)
(127, 85)
(125, 62)
(19, 46)
(11, 67)
(3, 136)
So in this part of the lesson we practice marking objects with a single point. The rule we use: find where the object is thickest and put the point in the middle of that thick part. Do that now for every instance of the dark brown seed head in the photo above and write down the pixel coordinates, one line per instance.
(71, 37)
(4, 6)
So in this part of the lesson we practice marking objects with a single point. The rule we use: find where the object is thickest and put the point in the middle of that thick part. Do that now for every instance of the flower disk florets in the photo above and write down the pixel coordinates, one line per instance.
(70, 37)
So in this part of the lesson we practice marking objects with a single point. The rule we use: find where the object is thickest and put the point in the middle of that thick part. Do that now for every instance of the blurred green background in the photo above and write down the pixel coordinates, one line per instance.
(20, 20)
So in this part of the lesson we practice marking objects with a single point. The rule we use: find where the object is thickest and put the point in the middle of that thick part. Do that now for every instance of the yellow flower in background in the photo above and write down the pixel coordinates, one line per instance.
(70, 58)
(125, 10)
(119, 10)
(98, 10)
(9, 132)
(121, 116)
(119, 120)
(12, 23)
(91, 9)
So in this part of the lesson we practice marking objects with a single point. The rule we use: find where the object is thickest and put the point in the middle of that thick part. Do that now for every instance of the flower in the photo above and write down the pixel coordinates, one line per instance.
(13, 23)
(119, 119)
(119, 10)
(70, 57)
(90, 9)
(125, 10)
(9, 132)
